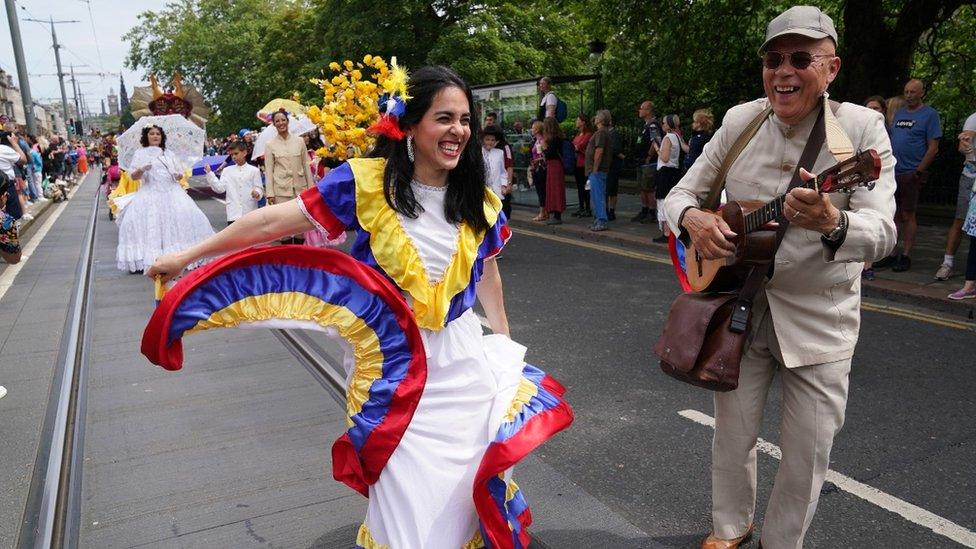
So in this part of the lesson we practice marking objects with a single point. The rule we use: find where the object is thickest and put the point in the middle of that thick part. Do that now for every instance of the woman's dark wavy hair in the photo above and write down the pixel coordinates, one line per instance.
(465, 183)
(144, 138)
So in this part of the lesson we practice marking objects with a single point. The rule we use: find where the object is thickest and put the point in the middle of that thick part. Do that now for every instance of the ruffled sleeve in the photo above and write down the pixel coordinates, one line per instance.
(496, 237)
(140, 158)
(173, 165)
(331, 204)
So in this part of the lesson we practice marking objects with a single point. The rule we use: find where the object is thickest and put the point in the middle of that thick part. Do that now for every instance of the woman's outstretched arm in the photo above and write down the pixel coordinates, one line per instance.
(257, 227)
(489, 290)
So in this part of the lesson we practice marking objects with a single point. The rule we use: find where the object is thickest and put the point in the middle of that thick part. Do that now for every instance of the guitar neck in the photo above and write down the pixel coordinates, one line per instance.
(773, 209)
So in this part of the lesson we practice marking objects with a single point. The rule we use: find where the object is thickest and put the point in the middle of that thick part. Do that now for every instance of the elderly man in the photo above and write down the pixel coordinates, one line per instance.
(547, 106)
(805, 318)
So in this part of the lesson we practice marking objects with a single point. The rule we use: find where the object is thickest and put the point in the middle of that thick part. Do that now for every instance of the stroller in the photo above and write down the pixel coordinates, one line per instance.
(54, 189)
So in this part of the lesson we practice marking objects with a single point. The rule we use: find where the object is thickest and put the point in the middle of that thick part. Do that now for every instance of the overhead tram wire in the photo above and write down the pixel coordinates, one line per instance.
(98, 50)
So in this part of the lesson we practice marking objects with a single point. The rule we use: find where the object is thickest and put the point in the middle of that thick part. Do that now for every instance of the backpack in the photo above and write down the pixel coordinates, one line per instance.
(568, 155)
(561, 110)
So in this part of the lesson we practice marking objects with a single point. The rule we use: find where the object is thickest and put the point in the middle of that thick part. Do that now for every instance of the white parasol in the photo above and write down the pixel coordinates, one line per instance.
(296, 126)
(183, 138)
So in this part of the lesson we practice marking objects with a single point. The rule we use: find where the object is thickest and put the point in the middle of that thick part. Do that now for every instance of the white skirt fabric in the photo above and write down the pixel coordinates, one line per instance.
(423, 498)
(158, 221)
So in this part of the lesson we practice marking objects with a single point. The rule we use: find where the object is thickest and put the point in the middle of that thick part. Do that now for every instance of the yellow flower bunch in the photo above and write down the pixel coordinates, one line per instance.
(351, 103)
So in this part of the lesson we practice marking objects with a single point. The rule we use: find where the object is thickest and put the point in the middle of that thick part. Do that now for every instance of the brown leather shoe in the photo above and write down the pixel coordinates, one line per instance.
(713, 542)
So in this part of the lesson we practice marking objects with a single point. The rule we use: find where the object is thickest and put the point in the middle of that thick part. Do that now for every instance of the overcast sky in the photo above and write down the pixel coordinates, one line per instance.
(101, 48)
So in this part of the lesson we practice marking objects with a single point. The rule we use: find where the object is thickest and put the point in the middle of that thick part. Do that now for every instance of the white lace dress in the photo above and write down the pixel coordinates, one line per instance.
(160, 218)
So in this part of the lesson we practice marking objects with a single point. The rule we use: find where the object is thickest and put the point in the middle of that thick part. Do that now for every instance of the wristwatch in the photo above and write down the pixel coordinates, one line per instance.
(838, 233)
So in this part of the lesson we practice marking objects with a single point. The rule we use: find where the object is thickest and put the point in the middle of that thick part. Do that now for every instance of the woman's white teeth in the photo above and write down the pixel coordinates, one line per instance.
(786, 89)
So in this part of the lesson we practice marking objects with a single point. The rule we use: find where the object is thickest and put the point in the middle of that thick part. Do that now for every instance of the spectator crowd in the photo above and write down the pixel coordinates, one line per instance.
(594, 157)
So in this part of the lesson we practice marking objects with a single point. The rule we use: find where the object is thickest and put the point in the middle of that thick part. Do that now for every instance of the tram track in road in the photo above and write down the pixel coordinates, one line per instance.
(52, 513)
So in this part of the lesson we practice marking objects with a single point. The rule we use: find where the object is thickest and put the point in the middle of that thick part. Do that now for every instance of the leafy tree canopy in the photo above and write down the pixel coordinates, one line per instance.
(242, 53)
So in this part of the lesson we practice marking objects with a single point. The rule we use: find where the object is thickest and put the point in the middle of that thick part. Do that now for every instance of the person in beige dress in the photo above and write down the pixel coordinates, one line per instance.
(805, 320)
(287, 172)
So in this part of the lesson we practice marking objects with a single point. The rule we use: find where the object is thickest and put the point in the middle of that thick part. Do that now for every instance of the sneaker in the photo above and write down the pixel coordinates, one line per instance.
(597, 227)
(944, 272)
(902, 264)
(641, 216)
(660, 240)
(959, 295)
(886, 262)
(554, 221)
(867, 274)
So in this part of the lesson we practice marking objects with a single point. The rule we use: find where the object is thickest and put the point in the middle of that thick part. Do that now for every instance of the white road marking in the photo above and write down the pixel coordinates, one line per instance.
(912, 513)
(10, 273)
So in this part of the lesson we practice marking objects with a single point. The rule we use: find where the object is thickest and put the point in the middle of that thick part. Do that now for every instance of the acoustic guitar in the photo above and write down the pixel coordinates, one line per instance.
(755, 241)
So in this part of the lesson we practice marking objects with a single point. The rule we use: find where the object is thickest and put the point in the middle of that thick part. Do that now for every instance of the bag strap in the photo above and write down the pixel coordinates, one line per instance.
(743, 306)
(715, 193)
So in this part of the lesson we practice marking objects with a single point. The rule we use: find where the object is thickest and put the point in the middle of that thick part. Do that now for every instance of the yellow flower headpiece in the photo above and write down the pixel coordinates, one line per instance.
(352, 104)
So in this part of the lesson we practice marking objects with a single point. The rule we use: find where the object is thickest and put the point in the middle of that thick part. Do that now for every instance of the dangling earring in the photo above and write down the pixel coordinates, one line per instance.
(410, 147)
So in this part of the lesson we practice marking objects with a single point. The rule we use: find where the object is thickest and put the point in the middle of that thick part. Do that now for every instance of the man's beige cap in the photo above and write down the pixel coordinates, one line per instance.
(806, 21)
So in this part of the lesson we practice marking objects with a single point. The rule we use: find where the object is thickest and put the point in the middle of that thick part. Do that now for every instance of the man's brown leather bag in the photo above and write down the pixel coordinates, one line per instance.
(697, 346)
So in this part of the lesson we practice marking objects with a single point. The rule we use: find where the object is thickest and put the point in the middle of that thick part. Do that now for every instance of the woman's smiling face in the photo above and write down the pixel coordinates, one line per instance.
(441, 135)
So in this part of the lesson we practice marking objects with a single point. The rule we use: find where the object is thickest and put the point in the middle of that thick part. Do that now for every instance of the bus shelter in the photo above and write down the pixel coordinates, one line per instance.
(516, 103)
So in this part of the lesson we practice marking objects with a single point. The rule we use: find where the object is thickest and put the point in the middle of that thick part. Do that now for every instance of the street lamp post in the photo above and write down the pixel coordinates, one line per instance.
(25, 91)
(597, 47)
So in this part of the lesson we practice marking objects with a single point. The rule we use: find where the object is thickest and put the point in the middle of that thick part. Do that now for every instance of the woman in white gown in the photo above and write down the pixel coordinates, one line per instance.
(426, 220)
(160, 218)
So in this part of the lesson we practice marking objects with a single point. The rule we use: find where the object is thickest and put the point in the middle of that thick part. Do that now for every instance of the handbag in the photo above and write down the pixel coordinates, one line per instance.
(705, 334)
(697, 346)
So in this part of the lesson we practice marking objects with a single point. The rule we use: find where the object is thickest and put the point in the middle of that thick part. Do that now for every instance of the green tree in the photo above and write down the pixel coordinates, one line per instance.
(483, 42)
(242, 53)
(686, 55)
(239, 53)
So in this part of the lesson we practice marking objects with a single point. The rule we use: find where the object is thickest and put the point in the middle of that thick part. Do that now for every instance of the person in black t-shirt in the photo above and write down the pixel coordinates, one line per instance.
(646, 151)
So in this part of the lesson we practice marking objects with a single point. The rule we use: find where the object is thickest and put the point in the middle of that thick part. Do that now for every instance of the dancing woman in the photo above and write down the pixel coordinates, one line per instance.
(160, 218)
(427, 221)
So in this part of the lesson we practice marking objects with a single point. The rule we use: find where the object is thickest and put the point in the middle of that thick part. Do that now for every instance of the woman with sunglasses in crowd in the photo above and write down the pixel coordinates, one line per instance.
(427, 221)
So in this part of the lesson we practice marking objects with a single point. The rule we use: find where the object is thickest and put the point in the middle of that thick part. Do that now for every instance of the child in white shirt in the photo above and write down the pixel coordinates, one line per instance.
(496, 177)
(241, 181)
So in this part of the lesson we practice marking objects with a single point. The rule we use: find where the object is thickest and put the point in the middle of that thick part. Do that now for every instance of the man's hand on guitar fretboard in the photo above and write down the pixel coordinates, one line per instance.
(810, 209)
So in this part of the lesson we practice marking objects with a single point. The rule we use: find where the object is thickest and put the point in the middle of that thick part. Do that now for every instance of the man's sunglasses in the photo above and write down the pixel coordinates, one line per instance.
(798, 59)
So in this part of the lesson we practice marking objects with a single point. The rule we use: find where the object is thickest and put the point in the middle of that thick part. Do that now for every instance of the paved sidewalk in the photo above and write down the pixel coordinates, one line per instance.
(37, 209)
(914, 287)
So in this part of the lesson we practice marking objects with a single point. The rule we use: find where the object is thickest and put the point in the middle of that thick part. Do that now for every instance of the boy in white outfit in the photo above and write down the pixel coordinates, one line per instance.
(241, 181)
(496, 177)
